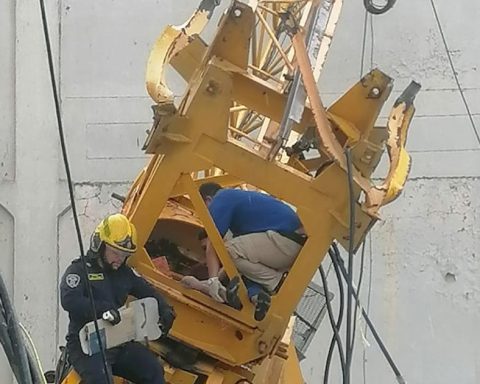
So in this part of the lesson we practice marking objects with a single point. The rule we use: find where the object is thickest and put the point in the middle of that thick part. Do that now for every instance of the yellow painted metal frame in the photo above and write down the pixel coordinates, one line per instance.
(194, 137)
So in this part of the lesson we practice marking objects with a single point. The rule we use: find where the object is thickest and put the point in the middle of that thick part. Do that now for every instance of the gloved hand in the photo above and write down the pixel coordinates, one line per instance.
(216, 290)
(166, 319)
(112, 316)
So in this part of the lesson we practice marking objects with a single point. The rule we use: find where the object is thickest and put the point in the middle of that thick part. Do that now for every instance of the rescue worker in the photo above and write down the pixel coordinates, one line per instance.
(267, 237)
(111, 280)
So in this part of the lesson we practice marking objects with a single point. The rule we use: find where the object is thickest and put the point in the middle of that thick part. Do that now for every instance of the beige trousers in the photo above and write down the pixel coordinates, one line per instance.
(263, 257)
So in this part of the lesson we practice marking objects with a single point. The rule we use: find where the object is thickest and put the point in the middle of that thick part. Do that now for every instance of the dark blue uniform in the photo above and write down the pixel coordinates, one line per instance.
(110, 289)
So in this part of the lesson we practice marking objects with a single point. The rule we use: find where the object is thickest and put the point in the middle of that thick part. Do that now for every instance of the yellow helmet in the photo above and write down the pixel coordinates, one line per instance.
(117, 231)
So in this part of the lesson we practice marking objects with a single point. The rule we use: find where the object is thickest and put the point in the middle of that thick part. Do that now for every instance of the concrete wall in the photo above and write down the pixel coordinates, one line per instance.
(423, 257)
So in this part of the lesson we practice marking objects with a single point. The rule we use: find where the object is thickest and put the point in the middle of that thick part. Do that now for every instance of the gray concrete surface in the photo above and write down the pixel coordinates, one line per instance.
(423, 257)
(420, 287)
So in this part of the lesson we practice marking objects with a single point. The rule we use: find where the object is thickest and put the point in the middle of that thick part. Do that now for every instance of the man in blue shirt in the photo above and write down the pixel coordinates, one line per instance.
(267, 237)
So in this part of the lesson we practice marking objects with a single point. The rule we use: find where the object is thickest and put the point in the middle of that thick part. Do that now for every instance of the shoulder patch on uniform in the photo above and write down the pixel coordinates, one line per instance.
(72, 280)
(135, 272)
(95, 276)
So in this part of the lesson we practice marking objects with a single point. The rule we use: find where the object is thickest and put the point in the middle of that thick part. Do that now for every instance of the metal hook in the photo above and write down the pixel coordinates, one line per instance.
(378, 10)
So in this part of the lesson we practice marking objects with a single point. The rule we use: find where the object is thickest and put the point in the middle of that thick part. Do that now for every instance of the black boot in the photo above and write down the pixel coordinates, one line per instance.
(262, 305)
(232, 293)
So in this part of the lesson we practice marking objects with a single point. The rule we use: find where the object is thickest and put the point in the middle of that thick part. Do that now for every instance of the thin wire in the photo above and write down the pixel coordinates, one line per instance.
(370, 253)
(368, 16)
(69, 182)
(372, 40)
(362, 61)
(351, 241)
(455, 75)
(370, 267)
(364, 42)
(359, 284)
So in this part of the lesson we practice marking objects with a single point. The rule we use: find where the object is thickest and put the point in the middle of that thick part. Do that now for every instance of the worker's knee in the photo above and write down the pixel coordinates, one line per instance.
(154, 372)
(93, 378)
(158, 374)
(136, 363)
(91, 371)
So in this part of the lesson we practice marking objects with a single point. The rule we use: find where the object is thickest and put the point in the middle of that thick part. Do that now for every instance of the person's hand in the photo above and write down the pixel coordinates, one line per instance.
(166, 319)
(112, 316)
(216, 290)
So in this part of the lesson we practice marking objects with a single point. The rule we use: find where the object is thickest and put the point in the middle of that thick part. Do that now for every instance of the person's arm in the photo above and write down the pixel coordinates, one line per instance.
(74, 296)
(221, 209)
(213, 263)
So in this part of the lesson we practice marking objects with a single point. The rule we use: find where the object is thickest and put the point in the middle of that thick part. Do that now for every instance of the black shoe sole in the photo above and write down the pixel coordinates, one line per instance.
(263, 305)
(232, 293)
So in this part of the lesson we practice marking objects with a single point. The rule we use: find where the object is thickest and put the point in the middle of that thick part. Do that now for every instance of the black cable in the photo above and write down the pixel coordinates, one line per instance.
(14, 344)
(16, 341)
(339, 318)
(351, 242)
(378, 10)
(455, 75)
(6, 342)
(375, 334)
(336, 333)
(35, 371)
(70, 185)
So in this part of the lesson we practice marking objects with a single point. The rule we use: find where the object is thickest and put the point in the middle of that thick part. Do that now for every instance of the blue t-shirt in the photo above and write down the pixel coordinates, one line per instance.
(244, 212)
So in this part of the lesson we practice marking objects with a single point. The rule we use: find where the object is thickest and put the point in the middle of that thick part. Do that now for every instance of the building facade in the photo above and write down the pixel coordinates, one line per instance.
(421, 281)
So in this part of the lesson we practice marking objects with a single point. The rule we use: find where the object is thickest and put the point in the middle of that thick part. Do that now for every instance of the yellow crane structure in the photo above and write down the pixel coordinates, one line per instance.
(252, 115)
